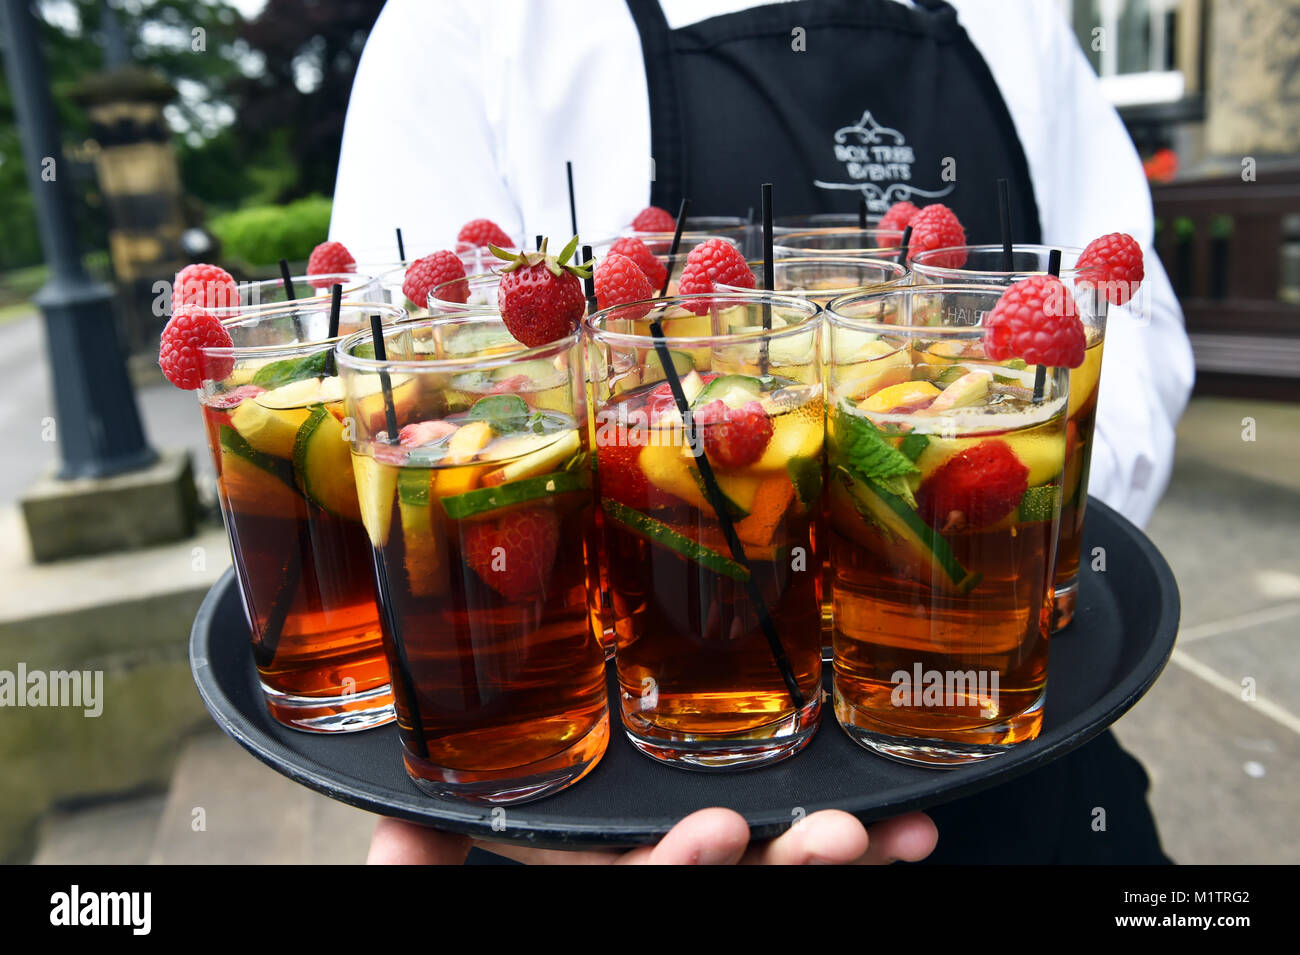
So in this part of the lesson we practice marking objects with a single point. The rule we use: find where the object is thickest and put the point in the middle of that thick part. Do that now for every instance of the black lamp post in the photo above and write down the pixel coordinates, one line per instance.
(97, 419)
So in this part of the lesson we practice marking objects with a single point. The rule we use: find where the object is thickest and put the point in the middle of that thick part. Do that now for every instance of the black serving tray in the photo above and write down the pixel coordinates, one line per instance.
(1121, 637)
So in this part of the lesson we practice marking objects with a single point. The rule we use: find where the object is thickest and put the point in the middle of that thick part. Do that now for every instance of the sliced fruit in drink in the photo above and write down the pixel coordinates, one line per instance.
(268, 429)
(793, 436)
(553, 455)
(806, 478)
(469, 441)
(255, 483)
(908, 396)
(426, 570)
(908, 541)
(485, 500)
(375, 485)
(672, 469)
(1037, 503)
(1084, 380)
(322, 462)
(665, 536)
(734, 391)
(771, 502)
(305, 391)
(967, 390)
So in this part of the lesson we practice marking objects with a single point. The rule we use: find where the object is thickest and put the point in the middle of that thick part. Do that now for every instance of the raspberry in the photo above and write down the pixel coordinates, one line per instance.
(423, 274)
(974, 488)
(329, 258)
(207, 286)
(733, 437)
(234, 398)
(654, 219)
(898, 218)
(484, 232)
(645, 260)
(1112, 263)
(618, 282)
(937, 227)
(1036, 320)
(180, 349)
(515, 553)
(713, 261)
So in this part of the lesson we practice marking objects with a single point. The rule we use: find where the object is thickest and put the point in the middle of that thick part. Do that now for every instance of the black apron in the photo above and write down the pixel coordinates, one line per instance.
(884, 101)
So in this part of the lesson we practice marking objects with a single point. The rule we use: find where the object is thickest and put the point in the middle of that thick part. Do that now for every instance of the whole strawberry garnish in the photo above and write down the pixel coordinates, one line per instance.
(974, 488)
(1113, 265)
(937, 227)
(515, 553)
(180, 357)
(654, 219)
(733, 437)
(484, 232)
(423, 274)
(898, 218)
(713, 261)
(539, 295)
(329, 258)
(207, 286)
(1035, 319)
(619, 281)
(234, 397)
(645, 260)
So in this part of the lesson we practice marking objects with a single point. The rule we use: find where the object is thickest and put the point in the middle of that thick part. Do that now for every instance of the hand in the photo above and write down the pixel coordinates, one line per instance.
(706, 837)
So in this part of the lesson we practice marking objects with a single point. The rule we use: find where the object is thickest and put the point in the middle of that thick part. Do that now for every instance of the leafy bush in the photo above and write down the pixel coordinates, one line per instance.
(263, 235)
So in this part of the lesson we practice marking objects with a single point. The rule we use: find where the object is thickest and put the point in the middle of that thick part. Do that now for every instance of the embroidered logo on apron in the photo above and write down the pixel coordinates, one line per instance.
(879, 164)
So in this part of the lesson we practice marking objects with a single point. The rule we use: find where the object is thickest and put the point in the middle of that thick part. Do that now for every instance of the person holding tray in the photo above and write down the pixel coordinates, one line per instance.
(461, 111)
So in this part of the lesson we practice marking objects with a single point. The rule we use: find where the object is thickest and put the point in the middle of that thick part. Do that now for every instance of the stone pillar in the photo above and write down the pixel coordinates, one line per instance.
(1253, 59)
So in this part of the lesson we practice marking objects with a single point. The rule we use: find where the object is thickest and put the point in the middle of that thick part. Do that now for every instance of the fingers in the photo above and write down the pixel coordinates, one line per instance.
(829, 837)
(403, 843)
(706, 837)
(908, 838)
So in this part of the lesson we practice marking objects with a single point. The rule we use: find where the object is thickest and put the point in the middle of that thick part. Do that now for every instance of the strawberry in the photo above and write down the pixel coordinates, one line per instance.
(329, 258)
(481, 233)
(619, 281)
(1036, 319)
(433, 270)
(645, 260)
(234, 398)
(514, 554)
(937, 227)
(654, 219)
(715, 260)
(180, 350)
(207, 286)
(424, 432)
(898, 218)
(974, 488)
(1113, 264)
(510, 386)
(733, 437)
(539, 295)
(621, 477)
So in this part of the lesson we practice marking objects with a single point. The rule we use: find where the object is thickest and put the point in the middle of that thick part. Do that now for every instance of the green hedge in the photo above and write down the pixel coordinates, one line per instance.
(263, 235)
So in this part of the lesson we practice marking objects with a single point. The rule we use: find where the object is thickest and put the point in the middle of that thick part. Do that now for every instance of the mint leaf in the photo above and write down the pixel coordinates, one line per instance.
(866, 452)
(506, 413)
(913, 445)
(288, 370)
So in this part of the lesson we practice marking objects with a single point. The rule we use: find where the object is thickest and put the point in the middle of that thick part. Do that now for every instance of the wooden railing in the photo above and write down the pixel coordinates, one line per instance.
(1232, 250)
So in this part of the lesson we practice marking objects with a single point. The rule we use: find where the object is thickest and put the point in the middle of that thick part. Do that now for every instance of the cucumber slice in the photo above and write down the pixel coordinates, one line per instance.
(375, 484)
(1038, 503)
(665, 536)
(734, 391)
(806, 476)
(255, 483)
(460, 507)
(322, 462)
(922, 545)
(425, 570)
(541, 461)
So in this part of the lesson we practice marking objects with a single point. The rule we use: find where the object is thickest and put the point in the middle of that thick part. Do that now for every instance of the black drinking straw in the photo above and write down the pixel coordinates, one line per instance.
(902, 248)
(336, 306)
(386, 383)
(1040, 371)
(401, 246)
(862, 213)
(589, 283)
(714, 493)
(769, 273)
(537, 240)
(289, 293)
(573, 206)
(682, 210)
(1004, 220)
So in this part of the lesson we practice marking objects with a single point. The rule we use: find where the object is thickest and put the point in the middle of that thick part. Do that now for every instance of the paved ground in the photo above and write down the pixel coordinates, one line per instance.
(1225, 770)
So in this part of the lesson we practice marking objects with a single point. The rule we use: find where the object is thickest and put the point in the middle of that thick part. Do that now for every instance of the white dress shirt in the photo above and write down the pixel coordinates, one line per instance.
(463, 109)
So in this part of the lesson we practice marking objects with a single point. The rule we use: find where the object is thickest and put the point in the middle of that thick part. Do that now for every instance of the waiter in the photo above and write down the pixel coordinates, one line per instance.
(463, 110)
